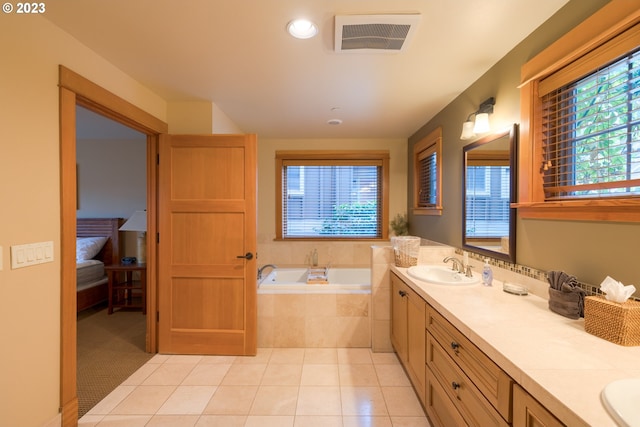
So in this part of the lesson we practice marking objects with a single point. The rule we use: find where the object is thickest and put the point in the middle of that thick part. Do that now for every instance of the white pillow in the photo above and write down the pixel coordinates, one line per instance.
(88, 247)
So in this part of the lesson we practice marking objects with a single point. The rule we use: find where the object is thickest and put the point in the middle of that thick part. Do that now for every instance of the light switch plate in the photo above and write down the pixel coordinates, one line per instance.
(31, 254)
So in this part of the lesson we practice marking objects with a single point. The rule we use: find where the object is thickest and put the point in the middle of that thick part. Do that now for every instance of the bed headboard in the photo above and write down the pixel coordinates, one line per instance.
(108, 227)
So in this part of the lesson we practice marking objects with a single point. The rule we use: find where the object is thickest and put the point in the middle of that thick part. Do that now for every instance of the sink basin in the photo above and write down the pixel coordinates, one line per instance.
(621, 398)
(441, 275)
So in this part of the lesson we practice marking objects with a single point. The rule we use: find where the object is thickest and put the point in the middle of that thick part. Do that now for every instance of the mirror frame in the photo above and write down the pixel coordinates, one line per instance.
(512, 132)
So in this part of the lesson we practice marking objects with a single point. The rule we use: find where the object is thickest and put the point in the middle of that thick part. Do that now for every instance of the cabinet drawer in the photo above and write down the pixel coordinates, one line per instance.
(441, 410)
(473, 406)
(489, 379)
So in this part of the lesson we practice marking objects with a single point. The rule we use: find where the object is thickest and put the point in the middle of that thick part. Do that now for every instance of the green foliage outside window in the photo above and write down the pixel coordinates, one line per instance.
(607, 127)
(352, 219)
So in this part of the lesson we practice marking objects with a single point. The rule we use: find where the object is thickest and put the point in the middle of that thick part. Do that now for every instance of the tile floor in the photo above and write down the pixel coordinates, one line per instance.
(280, 387)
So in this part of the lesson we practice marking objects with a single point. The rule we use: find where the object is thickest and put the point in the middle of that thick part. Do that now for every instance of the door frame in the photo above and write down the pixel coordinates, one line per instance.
(77, 90)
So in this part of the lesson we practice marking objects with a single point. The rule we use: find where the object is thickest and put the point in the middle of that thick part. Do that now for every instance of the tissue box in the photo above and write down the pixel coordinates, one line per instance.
(613, 321)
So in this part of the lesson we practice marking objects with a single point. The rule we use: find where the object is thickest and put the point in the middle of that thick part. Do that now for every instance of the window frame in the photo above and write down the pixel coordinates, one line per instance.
(335, 158)
(588, 38)
(430, 144)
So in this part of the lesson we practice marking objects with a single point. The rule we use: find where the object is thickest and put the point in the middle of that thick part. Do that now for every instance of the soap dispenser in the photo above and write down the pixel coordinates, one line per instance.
(487, 274)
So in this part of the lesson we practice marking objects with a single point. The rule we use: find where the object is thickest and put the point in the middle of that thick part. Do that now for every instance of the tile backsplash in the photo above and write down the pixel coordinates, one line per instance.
(529, 273)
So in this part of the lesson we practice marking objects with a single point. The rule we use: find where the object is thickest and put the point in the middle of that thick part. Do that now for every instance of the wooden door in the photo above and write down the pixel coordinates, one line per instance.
(207, 244)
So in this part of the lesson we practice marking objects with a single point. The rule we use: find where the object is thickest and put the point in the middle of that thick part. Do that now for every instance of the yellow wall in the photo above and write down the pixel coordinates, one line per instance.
(29, 200)
(340, 253)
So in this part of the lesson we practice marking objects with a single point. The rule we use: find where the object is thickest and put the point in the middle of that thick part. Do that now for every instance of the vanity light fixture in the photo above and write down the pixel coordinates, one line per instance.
(481, 124)
(302, 28)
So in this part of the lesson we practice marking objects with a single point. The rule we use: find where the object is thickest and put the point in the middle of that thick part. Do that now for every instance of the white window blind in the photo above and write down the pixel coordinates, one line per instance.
(487, 201)
(337, 200)
(591, 125)
(427, 177)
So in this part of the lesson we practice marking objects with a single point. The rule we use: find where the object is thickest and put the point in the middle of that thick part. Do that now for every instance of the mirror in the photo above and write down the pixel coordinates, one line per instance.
(489, 182)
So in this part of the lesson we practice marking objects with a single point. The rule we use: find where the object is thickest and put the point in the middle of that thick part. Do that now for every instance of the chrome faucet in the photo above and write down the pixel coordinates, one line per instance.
(263, 267)
(457, 264)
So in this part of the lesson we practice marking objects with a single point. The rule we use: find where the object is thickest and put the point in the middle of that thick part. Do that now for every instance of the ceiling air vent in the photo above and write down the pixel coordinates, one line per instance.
(374, 33)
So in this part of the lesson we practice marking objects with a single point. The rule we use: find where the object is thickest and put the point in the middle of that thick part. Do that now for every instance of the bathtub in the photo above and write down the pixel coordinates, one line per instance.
(294, 281)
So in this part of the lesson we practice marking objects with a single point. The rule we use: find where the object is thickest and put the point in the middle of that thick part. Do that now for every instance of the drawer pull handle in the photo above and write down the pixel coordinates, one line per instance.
(455, 385)
(455, 346)
(402, 293)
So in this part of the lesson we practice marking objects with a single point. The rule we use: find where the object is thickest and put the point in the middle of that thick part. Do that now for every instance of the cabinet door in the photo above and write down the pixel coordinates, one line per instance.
(399, 317)
(528, 412)
(416, 313)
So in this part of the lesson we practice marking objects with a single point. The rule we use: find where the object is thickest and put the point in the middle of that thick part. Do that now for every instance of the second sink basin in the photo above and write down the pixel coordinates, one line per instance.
(621, 399)
(441, 275)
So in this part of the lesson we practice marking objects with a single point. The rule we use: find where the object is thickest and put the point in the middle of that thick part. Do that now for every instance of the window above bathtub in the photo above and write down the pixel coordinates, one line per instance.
(332, 195)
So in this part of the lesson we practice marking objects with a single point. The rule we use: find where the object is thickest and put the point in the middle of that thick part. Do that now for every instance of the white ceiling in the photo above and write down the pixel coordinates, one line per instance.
(237, 54)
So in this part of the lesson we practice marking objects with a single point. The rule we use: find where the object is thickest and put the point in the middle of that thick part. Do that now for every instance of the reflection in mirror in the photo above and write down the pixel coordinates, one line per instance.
(490, 185)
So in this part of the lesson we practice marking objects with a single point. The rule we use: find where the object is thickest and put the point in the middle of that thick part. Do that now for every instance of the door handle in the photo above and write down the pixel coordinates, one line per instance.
(246, 256)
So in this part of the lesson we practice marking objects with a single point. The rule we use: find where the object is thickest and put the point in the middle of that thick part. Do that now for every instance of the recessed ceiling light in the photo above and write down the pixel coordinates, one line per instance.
(302, 28)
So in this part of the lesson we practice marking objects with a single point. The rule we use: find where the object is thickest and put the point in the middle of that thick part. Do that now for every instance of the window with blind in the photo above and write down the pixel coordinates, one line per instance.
(427, 174)
(427, 178)
(581, 116)
(591, 134)
(332, 195)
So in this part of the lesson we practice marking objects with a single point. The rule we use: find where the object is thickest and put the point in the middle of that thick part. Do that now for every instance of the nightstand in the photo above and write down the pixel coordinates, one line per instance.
(125, 291)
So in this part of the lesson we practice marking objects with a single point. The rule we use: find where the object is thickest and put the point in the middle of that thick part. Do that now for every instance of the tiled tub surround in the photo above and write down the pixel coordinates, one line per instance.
(314, 320)
(381, 260)
(328, 320)
(552, 357)
(297, 253)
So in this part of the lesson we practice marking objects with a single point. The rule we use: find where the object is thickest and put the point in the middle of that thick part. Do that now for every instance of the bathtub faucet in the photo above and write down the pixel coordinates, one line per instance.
(263, 267)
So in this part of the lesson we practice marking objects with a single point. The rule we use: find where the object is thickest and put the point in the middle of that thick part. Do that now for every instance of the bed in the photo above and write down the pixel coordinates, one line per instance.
(97, 245)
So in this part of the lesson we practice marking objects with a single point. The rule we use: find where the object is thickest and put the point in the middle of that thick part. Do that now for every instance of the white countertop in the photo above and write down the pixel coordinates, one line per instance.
(551, 356)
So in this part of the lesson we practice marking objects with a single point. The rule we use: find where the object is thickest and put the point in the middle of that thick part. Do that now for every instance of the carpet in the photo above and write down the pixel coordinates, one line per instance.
(110, 349)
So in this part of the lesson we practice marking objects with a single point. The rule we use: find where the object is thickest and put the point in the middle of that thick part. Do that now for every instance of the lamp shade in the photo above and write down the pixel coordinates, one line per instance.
(136, 222)
(482, 123)
(467, 130)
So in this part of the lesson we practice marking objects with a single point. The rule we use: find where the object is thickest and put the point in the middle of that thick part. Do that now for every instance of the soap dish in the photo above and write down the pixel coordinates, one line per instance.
(514, 289)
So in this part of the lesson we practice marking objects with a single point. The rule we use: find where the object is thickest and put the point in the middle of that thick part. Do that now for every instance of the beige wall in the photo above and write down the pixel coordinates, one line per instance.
(29, 199)
(336, 253)
(589, 250)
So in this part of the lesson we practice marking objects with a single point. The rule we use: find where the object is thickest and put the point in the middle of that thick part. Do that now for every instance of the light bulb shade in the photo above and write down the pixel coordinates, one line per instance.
(482, 123)
(137, 222)
(302, 29)
(467, 130)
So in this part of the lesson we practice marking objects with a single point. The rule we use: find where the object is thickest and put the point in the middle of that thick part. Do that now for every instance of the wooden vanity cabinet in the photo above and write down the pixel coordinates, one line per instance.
(528, 412)
(457, 383)
(408, 317)
(491, 381)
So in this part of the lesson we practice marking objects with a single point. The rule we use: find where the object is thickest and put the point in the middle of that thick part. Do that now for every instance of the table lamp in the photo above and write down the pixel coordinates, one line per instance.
(138, 222)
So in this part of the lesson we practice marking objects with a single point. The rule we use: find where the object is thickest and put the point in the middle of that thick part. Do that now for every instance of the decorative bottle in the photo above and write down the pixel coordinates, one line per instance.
(487, 274)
